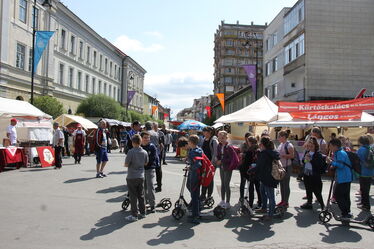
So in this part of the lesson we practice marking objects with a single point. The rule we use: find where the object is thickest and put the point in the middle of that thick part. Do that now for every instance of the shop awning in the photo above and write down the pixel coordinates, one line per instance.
(66, 119)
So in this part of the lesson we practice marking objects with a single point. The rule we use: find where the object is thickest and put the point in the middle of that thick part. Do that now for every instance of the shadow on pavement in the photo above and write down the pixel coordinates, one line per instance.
(305, 218)
(36, 170)
(119, 188)
(117, 173)
(79, 180)
(174, 231)
(117, 199)
(339, 233)
(106, 226)
(250, 230)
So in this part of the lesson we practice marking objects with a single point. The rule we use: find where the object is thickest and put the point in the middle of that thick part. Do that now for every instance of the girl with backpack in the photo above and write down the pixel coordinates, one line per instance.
(227, 160)
(264, 171)
(314, 166)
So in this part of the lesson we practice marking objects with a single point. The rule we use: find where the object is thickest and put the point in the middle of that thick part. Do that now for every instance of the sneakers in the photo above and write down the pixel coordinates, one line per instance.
(333, 200)
(363, 208)
(261, 211)
(151, 210)
(131, 218)
(222, 204)
(227, 205)
(98, 175)
(158, 189)
(280, 203)
(141, 216)
(307, 205)
(266, 218)
(102, 174)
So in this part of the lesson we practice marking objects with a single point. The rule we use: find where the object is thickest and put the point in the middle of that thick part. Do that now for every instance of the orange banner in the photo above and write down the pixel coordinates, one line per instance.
(154, 108)
(327, 116)
(348, 105)
(221, 98)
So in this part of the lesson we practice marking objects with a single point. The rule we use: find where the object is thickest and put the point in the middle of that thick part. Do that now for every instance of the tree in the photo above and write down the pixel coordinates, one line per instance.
(49, 105)
(100, 106)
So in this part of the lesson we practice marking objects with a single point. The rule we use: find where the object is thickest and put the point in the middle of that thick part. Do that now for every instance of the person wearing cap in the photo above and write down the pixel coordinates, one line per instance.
(11, 132)
(58, 143)
(79, 136)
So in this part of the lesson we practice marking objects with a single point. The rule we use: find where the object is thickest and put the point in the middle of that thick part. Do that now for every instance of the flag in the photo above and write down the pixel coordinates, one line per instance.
(41, 40)
(130, 96)
(166, 115)
(154, 108)
(221, 98)
(251, 73)
(208, 111)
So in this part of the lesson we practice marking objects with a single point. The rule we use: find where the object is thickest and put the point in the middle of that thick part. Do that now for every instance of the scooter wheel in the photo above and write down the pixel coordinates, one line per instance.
(279, 211)
(209, 202)
(324, 216)
(370, 222)
(219, 212)
(166, 204)
(125, 204)
(177, 213)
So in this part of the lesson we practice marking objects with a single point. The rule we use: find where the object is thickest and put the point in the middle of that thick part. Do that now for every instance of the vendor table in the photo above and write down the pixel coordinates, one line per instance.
(12, 157)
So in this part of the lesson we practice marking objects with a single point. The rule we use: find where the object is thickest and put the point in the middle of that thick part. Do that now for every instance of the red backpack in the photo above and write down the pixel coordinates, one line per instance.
(206, 172)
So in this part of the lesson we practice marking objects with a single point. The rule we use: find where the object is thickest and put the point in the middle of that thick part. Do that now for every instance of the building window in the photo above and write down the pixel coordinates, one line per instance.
(88, 54)
(80, 50)
(267, 69)
(87, 83)
(229, 43)
(295, 49)
(267, 45)
(119, 73)
(267, 92)
(119, 95)
(99, 90)
(63, 38)
(275, 64)
(294, 17)
(101, 62)
(293, 85)
(36, 26)
(110, 91)
(275, 39)
(94, 58)
(20, 59)
(93, 85)
(71, 74)
(106, 66)
(110, 69)
(79, 81)
(274, 91)
(22, 10)
(115, 93)
(61, 74)
(105, 92)
(30, 59)
(228, 79)
(72, 44)
(115, 71)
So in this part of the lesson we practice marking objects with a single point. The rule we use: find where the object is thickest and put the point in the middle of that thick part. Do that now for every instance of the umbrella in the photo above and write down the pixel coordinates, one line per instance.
(191, 125)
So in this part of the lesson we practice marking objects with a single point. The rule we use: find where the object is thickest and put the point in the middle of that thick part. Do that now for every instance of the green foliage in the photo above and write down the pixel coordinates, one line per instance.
(142, 118)
(49, 105)
(209, 121)
(100, 106)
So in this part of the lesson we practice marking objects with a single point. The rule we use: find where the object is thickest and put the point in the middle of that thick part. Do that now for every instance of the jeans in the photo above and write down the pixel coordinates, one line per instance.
(136, 195)
(267, 194)
(365, 183)
(254, 184)
(285, 185)
(159, 176)
(225, 184)
(243, 182)
(195, 200)
(313, 184)
(149, 186)
(342, 192)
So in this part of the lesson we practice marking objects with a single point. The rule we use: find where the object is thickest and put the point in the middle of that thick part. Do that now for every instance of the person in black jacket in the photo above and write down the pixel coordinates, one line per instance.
(268, 183)
(314, 166)
(149, 170)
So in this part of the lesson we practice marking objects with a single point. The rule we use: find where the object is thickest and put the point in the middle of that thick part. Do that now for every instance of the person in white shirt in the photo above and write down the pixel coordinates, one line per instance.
(58, 143)
(11, 132)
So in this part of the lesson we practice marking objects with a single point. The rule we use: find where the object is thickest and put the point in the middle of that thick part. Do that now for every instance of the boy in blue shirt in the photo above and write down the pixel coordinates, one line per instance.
(343, 177)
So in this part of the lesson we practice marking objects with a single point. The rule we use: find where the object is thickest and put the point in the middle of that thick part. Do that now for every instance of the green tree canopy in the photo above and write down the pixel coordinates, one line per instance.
(49, 105)
(100, 106)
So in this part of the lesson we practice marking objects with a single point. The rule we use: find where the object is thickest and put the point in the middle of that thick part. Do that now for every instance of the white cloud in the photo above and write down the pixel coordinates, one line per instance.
(155, 34)
(126, 44)
(177, 77)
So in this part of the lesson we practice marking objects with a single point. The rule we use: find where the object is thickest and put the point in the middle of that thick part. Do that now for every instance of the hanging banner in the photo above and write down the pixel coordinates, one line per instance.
(130, 96)
(208, 111)
(221, 98)
(46, 155)
(41, 41)
(327, 116)
(361, 104)
(154, 108)
(251, 73)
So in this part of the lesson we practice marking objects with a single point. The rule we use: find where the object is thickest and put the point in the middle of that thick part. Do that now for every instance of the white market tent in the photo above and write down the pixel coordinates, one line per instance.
(66, 119)
(114, 122)
(18, 108)
(261, 111)
(286, 120)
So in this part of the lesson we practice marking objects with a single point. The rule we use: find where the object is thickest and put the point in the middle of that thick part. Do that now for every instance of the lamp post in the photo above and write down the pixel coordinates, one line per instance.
(131, 78)
(48, 4)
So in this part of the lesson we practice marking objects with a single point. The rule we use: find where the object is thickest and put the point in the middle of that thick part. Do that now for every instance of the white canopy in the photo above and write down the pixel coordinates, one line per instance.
(66, 119)
(18, 108)
(114, 122)
(261, 111)
(286, 120)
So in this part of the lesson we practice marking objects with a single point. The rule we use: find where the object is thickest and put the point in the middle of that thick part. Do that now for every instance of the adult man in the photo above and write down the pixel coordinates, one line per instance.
(11, 132)
(136, 127)
(167, 143)
(101, 143)
(66, 142)
(58, 143)
(79, 137)
(161, 141)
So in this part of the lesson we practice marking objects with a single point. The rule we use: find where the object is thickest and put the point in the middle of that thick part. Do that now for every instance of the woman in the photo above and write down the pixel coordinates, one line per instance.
(79, 137)
(225, 156)
(247, 173)
(268, 183)
(314, 166)
(317, 133)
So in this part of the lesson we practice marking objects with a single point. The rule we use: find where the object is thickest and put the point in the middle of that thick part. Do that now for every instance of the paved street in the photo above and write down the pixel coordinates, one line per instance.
(69, 208)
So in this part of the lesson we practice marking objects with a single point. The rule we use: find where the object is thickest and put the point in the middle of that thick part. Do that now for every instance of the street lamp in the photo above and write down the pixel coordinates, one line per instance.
(131, 79)
(250, 42)
(46, 3)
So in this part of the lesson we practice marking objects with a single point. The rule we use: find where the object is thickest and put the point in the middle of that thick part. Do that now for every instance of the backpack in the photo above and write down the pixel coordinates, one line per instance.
(235, 162)
(370, 158)
(295, 162)
(355, 162)
(206, 172)
(277, 170)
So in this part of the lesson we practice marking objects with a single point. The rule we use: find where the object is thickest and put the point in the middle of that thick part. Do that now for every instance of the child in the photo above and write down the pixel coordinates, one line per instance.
(150, 172)
(193, 184)
(136, 159)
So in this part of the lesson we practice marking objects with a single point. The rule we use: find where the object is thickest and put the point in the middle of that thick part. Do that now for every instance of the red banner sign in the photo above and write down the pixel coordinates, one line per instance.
(327, 116)
(348, 105)
(46, 156)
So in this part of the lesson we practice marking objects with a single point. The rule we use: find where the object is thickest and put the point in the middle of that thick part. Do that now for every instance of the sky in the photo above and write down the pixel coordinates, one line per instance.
(172, 40)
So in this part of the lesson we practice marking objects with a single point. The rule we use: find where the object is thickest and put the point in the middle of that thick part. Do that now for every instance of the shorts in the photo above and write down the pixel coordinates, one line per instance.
(101, 155)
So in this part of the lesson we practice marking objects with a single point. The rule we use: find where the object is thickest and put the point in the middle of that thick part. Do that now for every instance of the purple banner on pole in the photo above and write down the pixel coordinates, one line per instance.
(251, 72)
(130, 96)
